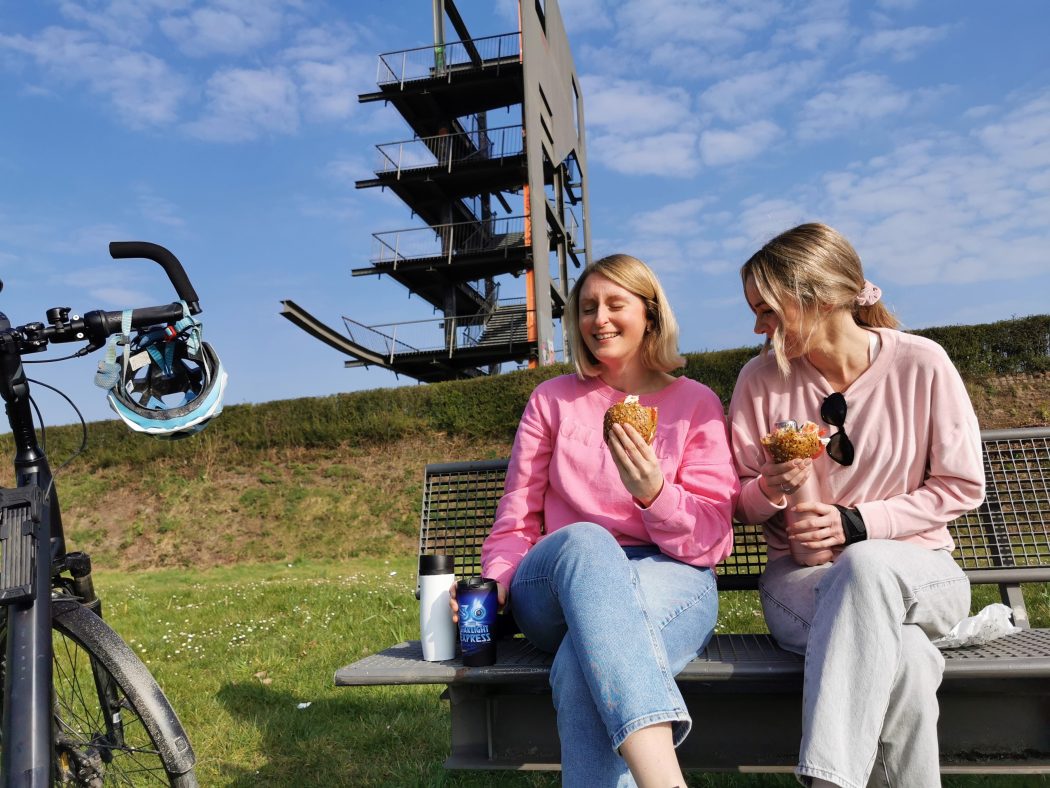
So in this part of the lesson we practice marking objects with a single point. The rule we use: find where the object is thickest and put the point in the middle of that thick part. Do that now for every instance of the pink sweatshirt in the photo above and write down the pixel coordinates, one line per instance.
(561, 472)
(918, 449)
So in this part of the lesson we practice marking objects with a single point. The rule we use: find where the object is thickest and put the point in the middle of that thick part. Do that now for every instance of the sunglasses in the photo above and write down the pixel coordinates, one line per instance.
(833, 412)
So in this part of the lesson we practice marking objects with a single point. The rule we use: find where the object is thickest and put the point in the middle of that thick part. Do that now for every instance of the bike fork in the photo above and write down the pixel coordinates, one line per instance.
(79, 565)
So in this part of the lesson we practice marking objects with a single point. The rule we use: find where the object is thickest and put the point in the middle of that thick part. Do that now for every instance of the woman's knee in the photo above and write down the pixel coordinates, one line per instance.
(864, 564)
(585, 536)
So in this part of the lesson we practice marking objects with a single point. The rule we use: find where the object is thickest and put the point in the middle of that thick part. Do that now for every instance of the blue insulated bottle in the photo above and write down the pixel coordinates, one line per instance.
(478, 606)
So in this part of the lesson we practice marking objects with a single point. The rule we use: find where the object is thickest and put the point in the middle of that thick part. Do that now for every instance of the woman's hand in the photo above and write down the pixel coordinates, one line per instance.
(817, 526)
(501, 598)
(639, 469)
(780, 479)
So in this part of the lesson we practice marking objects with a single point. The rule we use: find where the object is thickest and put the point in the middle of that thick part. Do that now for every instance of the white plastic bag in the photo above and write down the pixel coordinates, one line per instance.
(991, 623)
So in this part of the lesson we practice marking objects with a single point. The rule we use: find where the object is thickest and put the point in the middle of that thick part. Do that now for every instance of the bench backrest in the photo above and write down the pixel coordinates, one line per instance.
(1005, 540)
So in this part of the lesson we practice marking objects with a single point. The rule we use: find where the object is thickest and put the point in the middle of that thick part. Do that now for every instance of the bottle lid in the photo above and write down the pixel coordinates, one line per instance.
(477, 582)
(436, 564)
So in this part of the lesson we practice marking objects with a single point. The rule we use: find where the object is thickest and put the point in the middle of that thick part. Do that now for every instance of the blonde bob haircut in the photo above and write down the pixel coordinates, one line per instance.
(816, 268)
(660, 343)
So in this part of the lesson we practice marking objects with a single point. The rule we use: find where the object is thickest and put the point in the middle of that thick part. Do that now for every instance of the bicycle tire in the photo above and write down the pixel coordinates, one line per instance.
(154, 750)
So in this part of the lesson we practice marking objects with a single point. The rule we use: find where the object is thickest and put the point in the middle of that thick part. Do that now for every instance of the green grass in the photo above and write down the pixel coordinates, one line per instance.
(238, 649)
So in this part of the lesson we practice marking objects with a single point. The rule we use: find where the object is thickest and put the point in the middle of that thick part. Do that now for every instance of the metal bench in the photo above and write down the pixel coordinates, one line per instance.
(744, 692)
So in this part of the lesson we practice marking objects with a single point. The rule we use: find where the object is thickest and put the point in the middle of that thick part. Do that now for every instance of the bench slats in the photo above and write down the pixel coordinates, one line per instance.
(1025, 653)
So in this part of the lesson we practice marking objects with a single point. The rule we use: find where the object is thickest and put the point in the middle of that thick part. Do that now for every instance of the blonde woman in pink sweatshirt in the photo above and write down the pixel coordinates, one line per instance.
(604, 548)
(860, 575)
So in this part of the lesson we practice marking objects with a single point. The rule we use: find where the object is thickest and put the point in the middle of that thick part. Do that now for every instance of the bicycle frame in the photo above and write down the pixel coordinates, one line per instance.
(27, 681)
(27, 748)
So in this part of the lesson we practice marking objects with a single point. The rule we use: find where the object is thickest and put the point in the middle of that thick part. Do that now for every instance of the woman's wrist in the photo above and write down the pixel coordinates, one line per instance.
(646, 502)
(779, 500)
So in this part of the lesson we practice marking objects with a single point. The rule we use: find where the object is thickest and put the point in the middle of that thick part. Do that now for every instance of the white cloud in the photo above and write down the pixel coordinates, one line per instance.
(663, 255)
(902, 44)
(750, 94)
(323, 43)
(329, 90)
(672, 154)
(897, 5)
(1022, 137)
(113, 286)
(679, 218)
(119, 20)
(118, 296)
(157, 209)
(225, 27)
(144, 91)
(242, 104)
(953, 208)
(761, 219)
(849, 103)
(347, 169)
(816, 36)
(729, 146)
(713, 22)
(627, 107)
(582, 15)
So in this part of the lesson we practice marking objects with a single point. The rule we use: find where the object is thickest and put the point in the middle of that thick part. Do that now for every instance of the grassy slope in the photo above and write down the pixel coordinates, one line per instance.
(325, 478)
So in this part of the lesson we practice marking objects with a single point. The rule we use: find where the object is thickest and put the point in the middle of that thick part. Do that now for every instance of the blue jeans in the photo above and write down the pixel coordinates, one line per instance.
(621, 622)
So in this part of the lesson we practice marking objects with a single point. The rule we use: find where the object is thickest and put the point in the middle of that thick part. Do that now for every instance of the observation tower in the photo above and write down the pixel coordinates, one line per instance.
(494, 177)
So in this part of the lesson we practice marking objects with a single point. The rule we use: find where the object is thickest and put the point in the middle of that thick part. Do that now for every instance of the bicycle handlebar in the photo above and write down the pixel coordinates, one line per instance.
(170, 263)
(95, 326)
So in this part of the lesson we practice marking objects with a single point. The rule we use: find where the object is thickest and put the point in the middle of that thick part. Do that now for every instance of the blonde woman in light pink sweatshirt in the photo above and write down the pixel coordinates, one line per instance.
(860, 575)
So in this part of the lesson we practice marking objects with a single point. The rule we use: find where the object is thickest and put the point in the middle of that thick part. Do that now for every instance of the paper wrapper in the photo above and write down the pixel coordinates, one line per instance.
(791, 441)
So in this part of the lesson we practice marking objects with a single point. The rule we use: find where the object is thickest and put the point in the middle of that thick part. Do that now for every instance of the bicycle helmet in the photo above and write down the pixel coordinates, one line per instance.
(171, 383)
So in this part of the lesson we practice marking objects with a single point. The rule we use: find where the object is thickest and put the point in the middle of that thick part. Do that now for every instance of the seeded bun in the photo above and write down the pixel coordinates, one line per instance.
(631, 412)
(792, 442)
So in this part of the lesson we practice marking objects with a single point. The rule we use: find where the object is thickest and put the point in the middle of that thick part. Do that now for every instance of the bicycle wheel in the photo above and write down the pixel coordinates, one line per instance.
(112, 724)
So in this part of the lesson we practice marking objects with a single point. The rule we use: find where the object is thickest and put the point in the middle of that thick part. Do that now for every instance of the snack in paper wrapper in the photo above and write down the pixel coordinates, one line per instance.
(629, 411)
(789, 441)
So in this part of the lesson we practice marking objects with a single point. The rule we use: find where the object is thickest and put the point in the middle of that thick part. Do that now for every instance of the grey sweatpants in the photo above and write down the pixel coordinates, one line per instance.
(864, 624)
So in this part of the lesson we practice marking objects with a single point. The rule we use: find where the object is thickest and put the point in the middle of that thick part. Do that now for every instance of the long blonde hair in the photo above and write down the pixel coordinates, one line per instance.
(659, 345)
(814, 266)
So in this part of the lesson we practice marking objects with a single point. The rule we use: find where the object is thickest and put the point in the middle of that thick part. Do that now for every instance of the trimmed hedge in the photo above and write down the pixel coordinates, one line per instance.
(483, 407)
(992, 349)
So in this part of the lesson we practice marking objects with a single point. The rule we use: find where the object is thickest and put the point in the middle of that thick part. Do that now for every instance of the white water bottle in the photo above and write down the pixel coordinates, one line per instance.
(437, 632)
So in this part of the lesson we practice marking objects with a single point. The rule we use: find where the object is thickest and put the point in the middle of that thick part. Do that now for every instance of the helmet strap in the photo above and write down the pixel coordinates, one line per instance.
(108, 373)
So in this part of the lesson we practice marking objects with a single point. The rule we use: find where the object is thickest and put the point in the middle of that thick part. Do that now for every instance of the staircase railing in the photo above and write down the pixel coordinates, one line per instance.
(447, 59)
(447, 240)
(444, 150)
(391, 340)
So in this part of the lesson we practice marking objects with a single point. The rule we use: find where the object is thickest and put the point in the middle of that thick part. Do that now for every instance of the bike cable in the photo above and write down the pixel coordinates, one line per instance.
(43, 429)
(78, 354)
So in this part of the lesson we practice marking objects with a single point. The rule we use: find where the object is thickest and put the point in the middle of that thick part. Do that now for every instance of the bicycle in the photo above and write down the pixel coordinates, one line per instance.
(79, 707)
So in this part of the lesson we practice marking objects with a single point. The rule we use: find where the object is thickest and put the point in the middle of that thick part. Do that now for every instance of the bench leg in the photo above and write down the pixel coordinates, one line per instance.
(500, 727)
(1012, 598)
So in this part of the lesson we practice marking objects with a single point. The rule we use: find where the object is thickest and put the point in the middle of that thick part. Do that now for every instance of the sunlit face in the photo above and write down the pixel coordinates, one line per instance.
(767, 321)
(612, 320)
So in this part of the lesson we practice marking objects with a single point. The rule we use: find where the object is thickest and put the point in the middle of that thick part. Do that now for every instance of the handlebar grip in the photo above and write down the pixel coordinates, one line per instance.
(99, 324)
(169, 262)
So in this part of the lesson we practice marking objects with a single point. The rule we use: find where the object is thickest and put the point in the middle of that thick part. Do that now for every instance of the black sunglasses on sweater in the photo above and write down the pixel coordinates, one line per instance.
(833, 412)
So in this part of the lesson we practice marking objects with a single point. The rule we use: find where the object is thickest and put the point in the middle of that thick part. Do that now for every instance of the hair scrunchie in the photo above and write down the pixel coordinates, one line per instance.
(869, 295)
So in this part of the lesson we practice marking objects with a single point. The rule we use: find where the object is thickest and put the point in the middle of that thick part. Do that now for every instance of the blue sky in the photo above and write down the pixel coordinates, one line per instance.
(230, 132)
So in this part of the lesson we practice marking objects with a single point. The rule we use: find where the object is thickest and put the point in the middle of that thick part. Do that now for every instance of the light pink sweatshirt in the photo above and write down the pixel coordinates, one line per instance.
(918, 449)
(561, 472)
